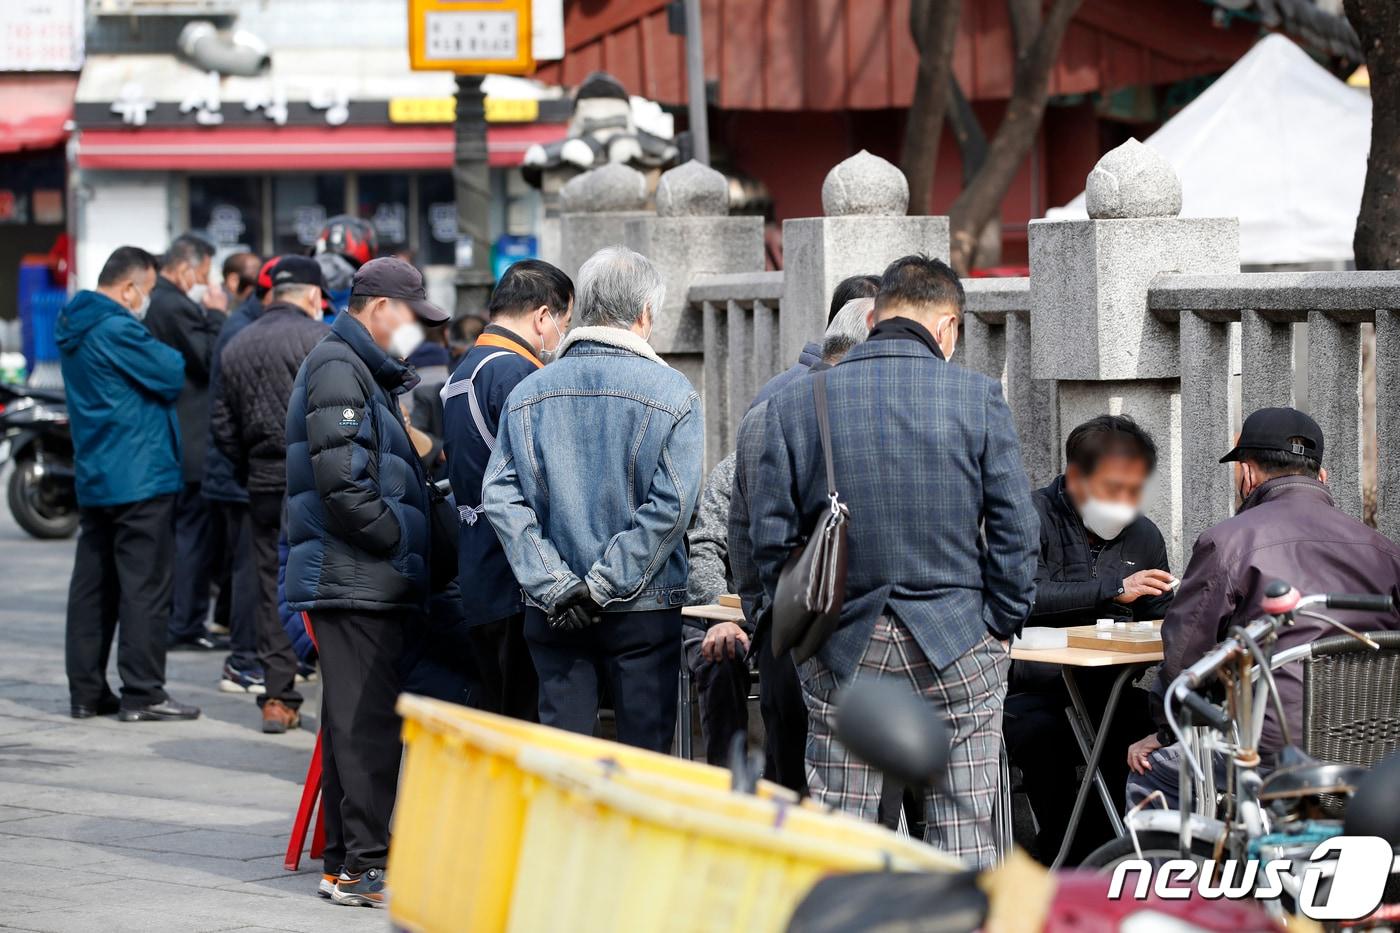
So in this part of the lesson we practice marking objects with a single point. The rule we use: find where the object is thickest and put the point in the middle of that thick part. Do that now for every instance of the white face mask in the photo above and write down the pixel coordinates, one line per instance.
(1107, 519)
(197, 292)
(139, 312)
(547, 356)
(405, 339)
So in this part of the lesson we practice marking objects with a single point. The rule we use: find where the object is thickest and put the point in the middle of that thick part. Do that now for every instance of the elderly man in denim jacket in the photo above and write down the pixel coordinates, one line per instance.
(596, 472)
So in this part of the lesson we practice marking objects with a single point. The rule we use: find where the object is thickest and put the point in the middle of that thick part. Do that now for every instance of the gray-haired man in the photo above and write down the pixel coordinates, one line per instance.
(595, 475)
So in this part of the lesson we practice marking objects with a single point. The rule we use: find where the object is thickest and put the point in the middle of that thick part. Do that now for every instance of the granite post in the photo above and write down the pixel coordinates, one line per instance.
(866, 227)
(595, 210)
(691, 235)
(1093, 333)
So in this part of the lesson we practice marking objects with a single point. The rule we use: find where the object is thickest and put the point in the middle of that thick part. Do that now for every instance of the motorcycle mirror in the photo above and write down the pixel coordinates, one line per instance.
(886, 725)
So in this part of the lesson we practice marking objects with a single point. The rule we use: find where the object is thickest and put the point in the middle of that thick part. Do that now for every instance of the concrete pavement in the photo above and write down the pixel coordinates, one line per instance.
(151, 827)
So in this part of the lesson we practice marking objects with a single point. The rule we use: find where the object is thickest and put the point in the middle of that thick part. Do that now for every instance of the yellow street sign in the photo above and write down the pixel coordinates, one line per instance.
(470, 36)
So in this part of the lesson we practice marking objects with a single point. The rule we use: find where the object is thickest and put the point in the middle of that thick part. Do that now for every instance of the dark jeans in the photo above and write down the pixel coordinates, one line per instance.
(636, 654)
(360, 747)
(507, 682)
(279, 659)
(1039, 742)
(784, 718)
(121, 574)
(189, 604)
(723, 689)
(221, 563)
(242, 586)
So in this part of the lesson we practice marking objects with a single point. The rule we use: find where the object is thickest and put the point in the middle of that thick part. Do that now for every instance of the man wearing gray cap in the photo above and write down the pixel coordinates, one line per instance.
(358, 528)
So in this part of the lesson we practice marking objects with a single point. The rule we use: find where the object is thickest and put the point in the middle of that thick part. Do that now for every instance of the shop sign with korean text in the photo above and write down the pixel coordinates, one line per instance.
(471, 36)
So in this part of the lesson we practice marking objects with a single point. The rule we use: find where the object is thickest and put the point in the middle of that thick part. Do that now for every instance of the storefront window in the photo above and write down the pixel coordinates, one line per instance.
(301, 204)
(227, 209)
(437, 219)
(383, 201)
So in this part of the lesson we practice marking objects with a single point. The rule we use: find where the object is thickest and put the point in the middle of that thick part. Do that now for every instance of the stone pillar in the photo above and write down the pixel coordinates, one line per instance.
(690, 235)
(1266, 342)
(1205, 411)
(1094, 335)
(1388, 423)
(866, 227)
(1033, 404)
(1334, 401)
(595, 210)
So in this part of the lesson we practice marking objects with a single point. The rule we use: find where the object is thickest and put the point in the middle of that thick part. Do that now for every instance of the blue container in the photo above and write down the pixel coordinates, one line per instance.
(510, 249)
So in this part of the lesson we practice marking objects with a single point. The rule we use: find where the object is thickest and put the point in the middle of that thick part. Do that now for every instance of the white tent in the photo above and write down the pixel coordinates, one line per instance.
(1278, 142)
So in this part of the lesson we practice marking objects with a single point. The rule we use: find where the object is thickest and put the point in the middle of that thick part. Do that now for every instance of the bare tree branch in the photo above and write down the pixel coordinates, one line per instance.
(1030, 91)
(933, 24)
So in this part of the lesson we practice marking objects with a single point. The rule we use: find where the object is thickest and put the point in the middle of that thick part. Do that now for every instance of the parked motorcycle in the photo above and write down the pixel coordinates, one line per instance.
(34, 433)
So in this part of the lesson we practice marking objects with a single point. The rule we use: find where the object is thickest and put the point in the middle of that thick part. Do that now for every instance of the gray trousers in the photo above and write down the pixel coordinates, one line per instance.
(968, 694)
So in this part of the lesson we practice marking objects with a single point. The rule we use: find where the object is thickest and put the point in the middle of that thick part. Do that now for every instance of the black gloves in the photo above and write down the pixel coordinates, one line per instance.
(575, 609)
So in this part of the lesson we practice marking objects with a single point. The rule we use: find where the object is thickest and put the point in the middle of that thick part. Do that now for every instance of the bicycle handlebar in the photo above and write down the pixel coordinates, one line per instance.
(1362, 602)
(1205, 712)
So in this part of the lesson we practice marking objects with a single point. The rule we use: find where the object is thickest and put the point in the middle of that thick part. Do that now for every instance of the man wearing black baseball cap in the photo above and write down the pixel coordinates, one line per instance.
(248, 423)
(1286, 528)
(358, 527)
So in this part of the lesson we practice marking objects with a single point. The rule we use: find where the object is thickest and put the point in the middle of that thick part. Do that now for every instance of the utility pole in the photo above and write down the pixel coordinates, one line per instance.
(471, 178)
(695, 82)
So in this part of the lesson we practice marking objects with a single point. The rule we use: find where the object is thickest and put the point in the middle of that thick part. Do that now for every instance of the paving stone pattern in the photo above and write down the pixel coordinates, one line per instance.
(150, 827)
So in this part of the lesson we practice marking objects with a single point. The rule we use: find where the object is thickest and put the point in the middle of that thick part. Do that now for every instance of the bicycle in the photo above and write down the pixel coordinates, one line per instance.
(1283, 815)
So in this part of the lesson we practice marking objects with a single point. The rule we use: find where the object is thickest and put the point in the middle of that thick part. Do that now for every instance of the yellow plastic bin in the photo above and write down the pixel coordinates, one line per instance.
(507, 826)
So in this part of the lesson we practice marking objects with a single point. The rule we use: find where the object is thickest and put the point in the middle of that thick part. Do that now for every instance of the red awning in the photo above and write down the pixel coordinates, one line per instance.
(299, 148)
(35, 110)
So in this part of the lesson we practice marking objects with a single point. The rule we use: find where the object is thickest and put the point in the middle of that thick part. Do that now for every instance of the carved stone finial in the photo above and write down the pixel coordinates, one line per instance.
(1132, 181)
(613, 187)
(865, 184)
(692, 190)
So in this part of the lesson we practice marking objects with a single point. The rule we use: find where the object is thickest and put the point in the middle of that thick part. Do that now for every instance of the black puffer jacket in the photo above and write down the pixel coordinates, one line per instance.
(192, 329)
(1071, 588)
(256, 373)
(219, 483)
(357, 498)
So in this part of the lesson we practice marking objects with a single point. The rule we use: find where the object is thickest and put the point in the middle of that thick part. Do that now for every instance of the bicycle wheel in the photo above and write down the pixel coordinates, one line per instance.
(1157, 847)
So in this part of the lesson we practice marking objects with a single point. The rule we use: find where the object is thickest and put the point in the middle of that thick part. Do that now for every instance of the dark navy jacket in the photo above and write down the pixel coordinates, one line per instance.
(489, 588)
(357, 499)
(219, 482)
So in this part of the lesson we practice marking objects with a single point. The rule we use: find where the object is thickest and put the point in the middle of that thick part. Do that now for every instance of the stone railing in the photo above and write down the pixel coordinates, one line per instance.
(739, 314)
(996, 341)
(1265, 306)
(1134, 310)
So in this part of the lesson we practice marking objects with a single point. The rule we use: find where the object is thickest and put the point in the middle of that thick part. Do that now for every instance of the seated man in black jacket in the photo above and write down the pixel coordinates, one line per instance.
(1099, 559)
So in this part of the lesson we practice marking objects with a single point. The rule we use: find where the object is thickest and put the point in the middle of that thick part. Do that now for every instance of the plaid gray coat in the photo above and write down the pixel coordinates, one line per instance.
(942, 536)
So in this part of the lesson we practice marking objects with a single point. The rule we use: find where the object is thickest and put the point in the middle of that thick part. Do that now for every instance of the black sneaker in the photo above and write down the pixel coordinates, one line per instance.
(200, 643)
(167, 709)
(107, 706)
(367, 889)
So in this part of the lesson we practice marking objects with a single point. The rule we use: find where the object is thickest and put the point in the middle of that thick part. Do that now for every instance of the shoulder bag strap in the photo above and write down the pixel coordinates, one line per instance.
(824, 427)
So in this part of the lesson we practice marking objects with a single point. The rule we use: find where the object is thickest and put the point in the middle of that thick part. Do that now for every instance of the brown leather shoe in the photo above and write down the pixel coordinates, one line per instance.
(278, 717)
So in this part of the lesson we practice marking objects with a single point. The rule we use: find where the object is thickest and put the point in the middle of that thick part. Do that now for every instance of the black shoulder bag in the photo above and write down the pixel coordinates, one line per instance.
(812, 585)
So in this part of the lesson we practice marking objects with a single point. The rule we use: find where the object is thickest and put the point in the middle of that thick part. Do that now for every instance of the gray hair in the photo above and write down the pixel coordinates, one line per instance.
(615, 285)
(847, 329)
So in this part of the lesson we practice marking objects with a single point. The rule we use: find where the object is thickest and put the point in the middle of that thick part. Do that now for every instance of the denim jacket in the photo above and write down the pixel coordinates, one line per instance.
(596, 473)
